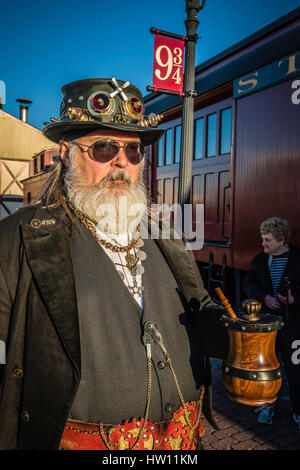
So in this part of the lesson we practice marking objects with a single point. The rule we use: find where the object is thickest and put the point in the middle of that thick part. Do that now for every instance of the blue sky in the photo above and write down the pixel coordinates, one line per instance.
(45, 45)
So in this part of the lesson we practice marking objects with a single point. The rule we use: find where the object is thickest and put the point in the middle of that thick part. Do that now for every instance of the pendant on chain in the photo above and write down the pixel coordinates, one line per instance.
(132, 262)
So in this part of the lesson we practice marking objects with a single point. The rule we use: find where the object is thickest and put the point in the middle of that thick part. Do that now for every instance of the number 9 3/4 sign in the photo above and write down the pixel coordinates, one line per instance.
(168, 63)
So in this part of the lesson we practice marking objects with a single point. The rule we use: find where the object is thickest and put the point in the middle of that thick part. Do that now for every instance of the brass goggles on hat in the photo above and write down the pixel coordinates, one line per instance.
(103, 151)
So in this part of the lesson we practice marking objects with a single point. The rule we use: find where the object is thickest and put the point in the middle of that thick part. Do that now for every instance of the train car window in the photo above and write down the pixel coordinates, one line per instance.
(169, 146)
(177, 143)
(211, 135)
(160, 159)
(199, 138)
(35, 166)
(225, 143)
(42, 165)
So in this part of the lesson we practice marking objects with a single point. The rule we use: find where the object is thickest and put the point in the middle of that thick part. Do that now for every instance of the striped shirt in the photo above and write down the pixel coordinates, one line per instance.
(277, 265)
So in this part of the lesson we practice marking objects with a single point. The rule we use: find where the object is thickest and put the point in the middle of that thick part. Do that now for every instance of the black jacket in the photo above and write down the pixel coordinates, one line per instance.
(257, 284)
(39, 324)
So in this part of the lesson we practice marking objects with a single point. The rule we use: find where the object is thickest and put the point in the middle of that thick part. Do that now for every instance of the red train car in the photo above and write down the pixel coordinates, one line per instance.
(246, 153)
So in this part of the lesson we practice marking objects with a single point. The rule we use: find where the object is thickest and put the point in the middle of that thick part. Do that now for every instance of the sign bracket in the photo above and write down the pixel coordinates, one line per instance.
(191, 93)
(190, 37)
(162, 90)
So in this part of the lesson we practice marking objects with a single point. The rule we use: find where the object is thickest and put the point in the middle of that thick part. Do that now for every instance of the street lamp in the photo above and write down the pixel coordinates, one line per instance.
(186, 154)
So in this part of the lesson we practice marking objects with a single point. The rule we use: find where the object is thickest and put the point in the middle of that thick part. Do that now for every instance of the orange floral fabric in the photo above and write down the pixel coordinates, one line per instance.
(174, 434)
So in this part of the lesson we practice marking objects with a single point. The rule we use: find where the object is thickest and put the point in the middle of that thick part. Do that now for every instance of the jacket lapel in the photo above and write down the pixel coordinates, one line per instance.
(47, 245)
(182, 264)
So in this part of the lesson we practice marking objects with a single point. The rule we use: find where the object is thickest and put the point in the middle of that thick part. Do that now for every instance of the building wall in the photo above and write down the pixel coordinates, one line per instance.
(11, 189)
(11, 173)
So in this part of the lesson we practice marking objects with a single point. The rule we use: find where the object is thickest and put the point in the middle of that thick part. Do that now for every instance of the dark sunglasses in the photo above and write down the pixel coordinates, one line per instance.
(103, 151)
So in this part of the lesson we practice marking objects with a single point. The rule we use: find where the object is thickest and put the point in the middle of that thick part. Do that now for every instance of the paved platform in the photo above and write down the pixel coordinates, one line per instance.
(239, 429)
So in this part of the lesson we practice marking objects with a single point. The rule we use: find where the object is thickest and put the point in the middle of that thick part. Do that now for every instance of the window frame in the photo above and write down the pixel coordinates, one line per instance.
(216, 108)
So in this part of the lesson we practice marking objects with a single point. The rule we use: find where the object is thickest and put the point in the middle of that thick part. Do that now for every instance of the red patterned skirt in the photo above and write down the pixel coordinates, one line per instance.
(174, 434)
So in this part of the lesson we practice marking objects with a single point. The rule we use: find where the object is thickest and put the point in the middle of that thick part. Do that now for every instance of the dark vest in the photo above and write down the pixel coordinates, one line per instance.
(113, 383)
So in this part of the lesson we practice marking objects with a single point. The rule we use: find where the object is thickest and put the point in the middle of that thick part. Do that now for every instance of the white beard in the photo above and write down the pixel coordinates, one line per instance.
(115, 207)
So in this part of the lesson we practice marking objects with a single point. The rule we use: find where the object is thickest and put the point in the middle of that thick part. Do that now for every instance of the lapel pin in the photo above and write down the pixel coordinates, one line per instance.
(35, 223)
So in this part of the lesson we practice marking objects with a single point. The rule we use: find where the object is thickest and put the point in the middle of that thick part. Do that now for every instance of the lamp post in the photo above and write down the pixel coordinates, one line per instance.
(186, 154)
(188, 93)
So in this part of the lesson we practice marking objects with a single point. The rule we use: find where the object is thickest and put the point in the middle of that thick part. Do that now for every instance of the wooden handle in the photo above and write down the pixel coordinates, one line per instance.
(226, 303)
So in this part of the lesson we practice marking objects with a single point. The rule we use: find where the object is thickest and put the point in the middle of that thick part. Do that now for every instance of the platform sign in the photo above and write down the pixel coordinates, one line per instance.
(268, 75)
(168, 63)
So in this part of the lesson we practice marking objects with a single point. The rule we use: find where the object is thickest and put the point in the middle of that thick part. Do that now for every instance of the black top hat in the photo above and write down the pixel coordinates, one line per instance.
(102, 103)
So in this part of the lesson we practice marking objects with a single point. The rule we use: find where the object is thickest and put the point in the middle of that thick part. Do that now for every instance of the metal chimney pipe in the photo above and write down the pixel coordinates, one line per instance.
(24, 104)
(24, 113)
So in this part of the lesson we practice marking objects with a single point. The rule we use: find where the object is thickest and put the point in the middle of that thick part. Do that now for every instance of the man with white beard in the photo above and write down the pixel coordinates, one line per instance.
(107, 335)
(111, 194)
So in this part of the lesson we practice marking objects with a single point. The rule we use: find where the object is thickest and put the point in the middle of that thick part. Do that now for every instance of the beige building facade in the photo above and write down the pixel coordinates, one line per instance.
(21, 149)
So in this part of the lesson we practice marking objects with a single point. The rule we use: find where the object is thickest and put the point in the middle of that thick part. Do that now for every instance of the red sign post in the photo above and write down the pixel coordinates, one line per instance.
(168, 63)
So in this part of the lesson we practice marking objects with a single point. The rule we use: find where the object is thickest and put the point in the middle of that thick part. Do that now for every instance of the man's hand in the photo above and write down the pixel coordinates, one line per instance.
(271, 302)
(289, 299)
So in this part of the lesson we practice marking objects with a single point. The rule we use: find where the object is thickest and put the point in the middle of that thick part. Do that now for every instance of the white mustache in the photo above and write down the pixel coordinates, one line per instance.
(114, 176)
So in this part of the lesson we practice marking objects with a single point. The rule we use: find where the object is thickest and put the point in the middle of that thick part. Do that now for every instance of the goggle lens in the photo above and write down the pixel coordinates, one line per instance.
(105, 150)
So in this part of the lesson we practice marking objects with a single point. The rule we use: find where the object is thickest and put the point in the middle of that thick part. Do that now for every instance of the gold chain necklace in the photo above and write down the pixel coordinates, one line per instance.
(131, 259)
(115, 248)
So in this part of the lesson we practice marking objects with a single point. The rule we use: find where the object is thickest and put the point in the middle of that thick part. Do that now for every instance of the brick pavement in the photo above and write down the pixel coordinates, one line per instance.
(239, 429)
